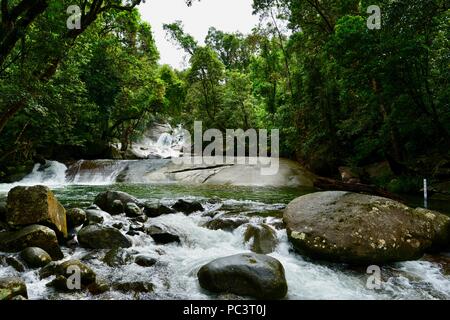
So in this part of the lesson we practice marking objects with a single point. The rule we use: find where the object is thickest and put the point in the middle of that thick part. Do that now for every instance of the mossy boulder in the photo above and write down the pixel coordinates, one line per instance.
(248, 274)
(362, 229)
(35, 205)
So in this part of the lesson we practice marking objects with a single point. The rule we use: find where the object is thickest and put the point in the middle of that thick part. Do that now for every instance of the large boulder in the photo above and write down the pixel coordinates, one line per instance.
(11, 288)
(75, 217)
(35, 257)
(96, 236)
(35, 205)
(362, 229)
(107, 200)
(248, 274)
(262, 237)
(31, 236)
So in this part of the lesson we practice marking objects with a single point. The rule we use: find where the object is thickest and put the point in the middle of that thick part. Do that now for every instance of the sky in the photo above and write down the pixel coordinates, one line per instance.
(225, 15)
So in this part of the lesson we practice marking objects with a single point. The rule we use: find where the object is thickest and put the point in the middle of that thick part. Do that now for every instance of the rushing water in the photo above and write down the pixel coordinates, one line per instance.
(174, 275)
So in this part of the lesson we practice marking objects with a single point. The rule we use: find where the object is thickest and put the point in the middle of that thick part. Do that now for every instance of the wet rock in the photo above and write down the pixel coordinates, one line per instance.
(117, 207)
(98, 287)
(31, 236)
(132, 210)
(64, 272)
(11, 288)
(263, 238)
(162, 237)
(362, 229)
(118, 225)
(48, 271)
(96, 216)
(153, 210)
(66, 268)
(35, 205)
(99, 237)
(12, 262)
(187, 207)
(117, 257)
(60, 284)
(35, 257)
(136, 287)
(106, 200)
(75, 217)
(227, 224)
(145, 261)
(249, 274)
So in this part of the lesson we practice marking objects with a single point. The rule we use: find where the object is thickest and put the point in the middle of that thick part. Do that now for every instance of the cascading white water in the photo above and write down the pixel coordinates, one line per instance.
(52, 174)
(175, 274)
(166, 142)
(95, 172)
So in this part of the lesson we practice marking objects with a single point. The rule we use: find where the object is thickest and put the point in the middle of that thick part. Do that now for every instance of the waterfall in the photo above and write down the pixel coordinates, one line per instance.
(95, 172)
(161, 141)
(52, 174)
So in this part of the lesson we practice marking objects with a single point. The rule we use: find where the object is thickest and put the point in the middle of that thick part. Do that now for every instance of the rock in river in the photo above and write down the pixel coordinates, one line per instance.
(160, 236)
(153, 210)
(35, 205)
(132, 210)
(362, 229)
(107, 201)
(35, 257)
(94, 216)
(263, 238)
(248, 274)
(96, 236)
(31, 236)
(187, 207)
(64, 272)
(75, 217)
(11, 288)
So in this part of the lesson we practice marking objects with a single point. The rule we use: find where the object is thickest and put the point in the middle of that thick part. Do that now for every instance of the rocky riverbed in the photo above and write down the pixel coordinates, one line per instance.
(156, 251)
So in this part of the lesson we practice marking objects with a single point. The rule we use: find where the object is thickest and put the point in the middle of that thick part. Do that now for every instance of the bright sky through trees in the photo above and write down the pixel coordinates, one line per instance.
(229, 15)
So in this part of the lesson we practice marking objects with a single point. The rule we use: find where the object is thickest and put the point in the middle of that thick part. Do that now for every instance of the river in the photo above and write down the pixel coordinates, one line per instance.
(174, 275)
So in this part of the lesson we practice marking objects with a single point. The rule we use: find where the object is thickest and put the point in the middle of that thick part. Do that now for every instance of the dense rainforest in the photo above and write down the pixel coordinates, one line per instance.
(342, 95)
